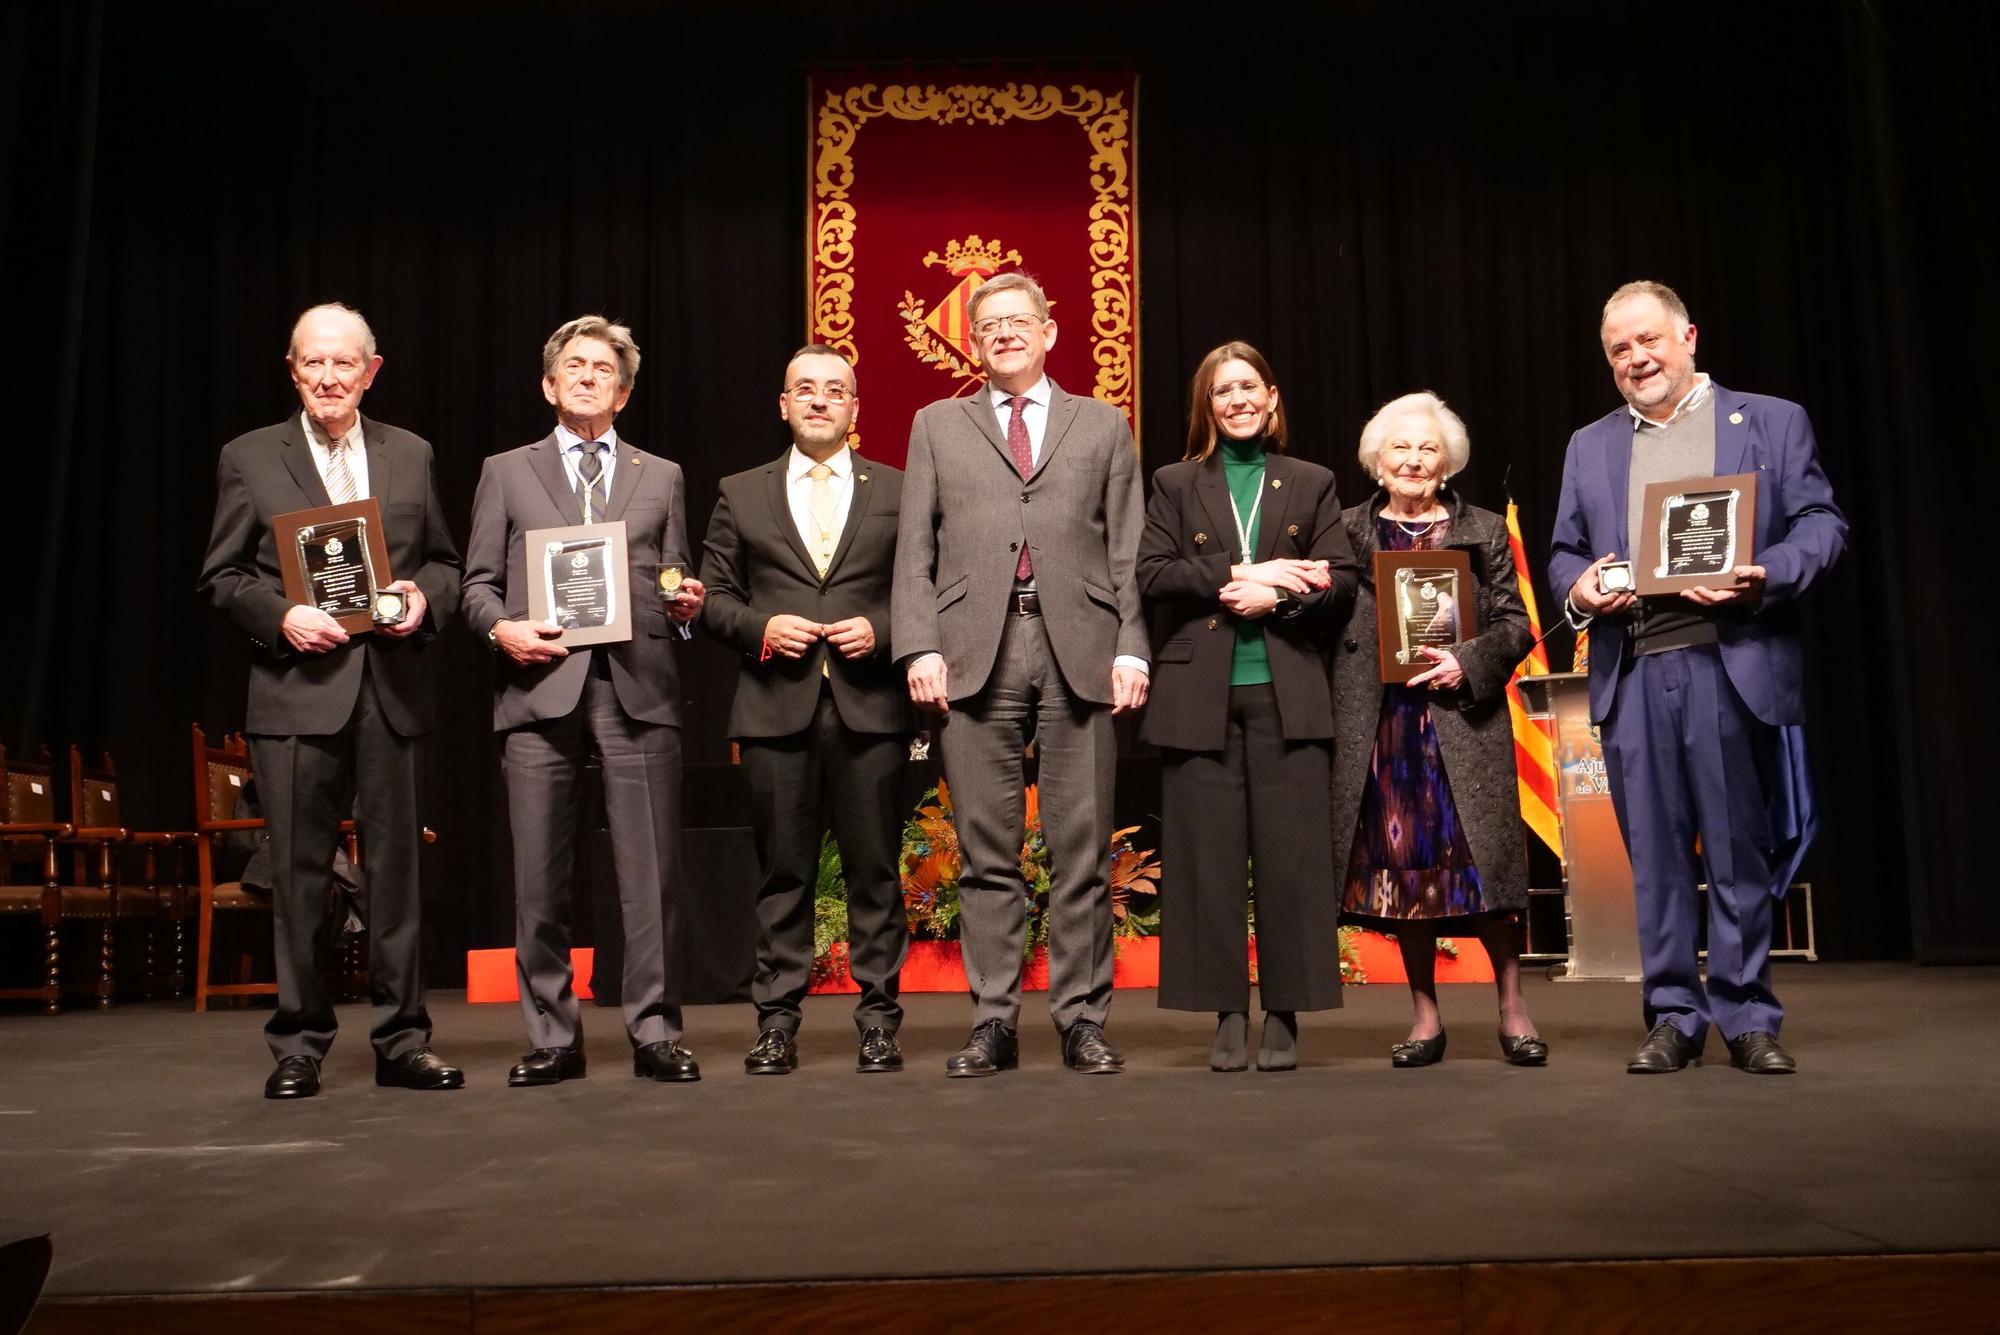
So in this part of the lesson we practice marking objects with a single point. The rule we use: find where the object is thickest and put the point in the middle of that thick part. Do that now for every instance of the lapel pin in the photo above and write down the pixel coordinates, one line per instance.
(861, 477)
(1201, 538)
(1277, 482)
(1736, 419)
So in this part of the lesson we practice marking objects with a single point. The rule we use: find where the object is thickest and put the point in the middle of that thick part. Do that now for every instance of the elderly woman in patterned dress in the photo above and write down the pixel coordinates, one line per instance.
(1427, 833)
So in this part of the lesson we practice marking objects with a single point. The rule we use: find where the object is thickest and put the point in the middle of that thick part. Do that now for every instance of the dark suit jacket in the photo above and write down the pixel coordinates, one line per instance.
(755, 567)
(1184, 560)
(270, 472)
(527, 489)
(1800, 533)
(966, 512)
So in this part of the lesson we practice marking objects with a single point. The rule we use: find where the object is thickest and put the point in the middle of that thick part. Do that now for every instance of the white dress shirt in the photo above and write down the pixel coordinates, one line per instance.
(570, 448)
(798, 490)
(322, 453)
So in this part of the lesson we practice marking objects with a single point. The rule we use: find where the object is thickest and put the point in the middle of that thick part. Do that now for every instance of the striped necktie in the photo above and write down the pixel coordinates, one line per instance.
(339, 480)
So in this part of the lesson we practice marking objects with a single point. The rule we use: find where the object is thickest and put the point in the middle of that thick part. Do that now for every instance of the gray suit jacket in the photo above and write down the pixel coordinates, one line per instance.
(527, 489)
(966, 512)
(270, 472)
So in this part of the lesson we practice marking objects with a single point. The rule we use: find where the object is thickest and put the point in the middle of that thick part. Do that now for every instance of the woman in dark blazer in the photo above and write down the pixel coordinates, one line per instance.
(1245, 566)
(1428, 839)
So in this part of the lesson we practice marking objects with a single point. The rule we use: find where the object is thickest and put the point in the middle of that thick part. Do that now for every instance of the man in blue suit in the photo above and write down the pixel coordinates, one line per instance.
(1698, 694)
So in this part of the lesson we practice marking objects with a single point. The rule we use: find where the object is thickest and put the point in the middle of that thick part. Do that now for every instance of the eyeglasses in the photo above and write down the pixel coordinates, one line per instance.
(806, 391)
(1247, 388)
(343, 367)
(1013, 324)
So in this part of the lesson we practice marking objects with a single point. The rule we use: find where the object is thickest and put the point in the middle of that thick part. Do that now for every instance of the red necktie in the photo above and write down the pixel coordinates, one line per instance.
(1024, 459)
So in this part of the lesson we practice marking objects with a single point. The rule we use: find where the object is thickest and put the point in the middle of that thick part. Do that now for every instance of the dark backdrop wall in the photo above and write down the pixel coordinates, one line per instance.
(1384, 197)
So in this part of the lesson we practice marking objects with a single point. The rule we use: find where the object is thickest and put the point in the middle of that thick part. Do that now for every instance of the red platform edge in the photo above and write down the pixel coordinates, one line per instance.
(937, 966)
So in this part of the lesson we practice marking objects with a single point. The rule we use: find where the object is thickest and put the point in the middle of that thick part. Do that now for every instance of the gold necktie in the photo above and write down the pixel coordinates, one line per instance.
(823, 511)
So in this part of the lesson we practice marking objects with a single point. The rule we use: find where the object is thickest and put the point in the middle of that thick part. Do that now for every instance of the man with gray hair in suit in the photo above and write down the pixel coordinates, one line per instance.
(1016, 617)
(618, 702)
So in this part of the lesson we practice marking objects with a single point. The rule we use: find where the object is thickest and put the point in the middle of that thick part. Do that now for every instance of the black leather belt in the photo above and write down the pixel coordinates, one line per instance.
(1027, 603)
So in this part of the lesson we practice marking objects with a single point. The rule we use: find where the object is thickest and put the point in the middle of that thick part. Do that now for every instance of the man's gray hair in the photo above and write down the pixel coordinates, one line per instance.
(332, 308)
(1457, 444)
(1646, 287)
(1007, 282)
(594, 326)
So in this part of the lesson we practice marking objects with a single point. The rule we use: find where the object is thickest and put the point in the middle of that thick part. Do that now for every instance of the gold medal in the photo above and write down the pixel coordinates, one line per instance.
(670, 580)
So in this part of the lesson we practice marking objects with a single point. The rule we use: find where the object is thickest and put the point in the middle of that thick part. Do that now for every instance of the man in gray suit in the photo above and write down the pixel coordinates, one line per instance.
(333, 719)
(1016, 616)
(618, 702)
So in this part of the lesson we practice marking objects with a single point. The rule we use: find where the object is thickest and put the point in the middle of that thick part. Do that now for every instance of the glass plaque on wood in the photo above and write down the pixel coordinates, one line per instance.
(335, 558)
(579, 579)
(1695, 532)
(1422, 600)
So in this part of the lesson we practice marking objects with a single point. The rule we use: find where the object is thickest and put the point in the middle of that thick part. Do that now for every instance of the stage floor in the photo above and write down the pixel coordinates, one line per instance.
(137, 1137)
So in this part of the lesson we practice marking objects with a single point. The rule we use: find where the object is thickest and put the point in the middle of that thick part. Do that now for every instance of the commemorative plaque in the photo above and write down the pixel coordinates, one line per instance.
(336, 559)
(578, 578)
(1422, 600)
(1695, 532)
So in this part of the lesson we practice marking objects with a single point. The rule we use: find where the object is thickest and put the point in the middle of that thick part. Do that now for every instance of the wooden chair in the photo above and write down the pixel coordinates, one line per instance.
(29, 832)
(100, 831)
(220, 775)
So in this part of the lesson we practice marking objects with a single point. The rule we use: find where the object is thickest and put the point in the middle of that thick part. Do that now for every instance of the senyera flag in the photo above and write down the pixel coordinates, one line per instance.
(920, 190)
(1534, 748)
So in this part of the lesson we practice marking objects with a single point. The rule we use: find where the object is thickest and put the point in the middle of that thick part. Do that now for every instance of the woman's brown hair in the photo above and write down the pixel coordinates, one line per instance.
(1201, 412)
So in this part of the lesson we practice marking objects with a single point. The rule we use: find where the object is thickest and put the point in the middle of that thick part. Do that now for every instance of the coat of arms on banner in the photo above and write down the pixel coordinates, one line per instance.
(920, 193)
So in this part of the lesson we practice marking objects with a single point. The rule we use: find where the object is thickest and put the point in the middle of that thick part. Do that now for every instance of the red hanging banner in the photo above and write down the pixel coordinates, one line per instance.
(921, 191)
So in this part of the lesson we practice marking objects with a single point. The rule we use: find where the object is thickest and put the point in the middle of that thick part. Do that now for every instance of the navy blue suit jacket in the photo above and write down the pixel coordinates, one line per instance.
(1800, 532)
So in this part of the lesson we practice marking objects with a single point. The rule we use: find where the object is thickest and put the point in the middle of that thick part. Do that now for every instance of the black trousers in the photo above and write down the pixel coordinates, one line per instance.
(308, 785)
(799, 785)
(1260, 800)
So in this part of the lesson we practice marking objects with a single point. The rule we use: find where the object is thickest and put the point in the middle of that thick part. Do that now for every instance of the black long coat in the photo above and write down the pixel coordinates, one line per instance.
(1475, 735)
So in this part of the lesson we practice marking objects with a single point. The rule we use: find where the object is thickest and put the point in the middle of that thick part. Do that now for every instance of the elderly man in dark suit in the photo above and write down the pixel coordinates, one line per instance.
(619, 702)
(799, 560)
(334, 719)
(1016, 616)
(1698, 694)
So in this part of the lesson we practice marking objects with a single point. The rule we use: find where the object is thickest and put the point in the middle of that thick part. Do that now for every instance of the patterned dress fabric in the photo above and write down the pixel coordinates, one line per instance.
(1410, 858)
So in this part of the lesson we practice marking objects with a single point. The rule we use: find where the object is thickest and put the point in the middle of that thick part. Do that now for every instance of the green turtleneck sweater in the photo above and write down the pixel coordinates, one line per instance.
(1243, 471)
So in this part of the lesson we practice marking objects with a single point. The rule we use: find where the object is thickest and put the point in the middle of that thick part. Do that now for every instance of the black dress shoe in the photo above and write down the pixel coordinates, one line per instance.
(1086, 1052)
(992, 1049)
(1759, 1054)
(1232, 1040)
(879, 1052)
(665, 1060)
(419, 1068)
(1665, 1049)
(1279, 1048)
(546, 1066)
(1524, 1050)
(776, 1053)
(1413, 1052)
(295, 1078)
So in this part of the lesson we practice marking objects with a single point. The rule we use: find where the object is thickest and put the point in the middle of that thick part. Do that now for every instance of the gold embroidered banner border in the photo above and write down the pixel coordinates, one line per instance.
(971, 177)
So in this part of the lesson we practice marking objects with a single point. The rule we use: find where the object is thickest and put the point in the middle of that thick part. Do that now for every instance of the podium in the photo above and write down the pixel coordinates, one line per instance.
(1602, 918)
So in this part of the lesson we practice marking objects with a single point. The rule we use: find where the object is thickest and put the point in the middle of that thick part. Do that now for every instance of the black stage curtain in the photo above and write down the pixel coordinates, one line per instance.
(1383, 197)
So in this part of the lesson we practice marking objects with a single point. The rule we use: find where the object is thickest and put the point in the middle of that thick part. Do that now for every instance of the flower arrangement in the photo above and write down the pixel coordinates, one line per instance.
(931, 870)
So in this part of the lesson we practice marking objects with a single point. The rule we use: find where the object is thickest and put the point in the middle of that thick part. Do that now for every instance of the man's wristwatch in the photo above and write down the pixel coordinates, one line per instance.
(493, 635)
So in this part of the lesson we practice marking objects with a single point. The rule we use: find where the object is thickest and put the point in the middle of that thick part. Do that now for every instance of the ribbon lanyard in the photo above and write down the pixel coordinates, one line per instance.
(1244, 526)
